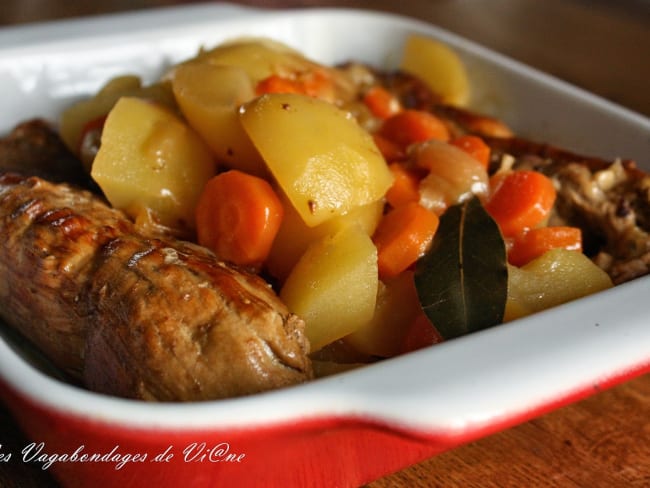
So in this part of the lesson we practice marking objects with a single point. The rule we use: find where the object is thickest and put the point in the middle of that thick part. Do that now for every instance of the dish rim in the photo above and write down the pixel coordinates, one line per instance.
(351, 394)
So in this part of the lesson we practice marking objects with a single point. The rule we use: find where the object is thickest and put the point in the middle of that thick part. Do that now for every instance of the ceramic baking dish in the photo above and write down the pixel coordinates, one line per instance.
(354, 427)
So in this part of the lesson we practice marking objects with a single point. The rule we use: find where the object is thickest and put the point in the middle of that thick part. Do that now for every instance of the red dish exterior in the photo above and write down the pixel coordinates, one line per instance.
(324, 452)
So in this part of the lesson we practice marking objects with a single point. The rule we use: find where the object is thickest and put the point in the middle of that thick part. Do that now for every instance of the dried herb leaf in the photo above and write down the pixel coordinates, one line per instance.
(462, 282)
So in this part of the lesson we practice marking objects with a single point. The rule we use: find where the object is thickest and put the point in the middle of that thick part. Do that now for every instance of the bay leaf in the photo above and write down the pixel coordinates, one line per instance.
(462, 281)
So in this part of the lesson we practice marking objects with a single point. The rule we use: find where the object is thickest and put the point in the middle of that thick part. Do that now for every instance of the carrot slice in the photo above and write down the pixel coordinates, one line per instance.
(411, 126)
(381, 102)
(403, 235)
(390, 150)
(474, 146)
(318, 83)
(420, 333)
(279, 84)
(487, 126)
(238, 216)
(535, 242)
(405, 187)
(520, 200)
(314, 83)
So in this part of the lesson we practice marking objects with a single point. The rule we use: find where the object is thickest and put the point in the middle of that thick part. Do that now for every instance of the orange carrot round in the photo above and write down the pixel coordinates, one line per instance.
(474, 146)
(238, 216)
(411, 126)
(420, 333)
(390, 150)
(318, 83)
(314, 83)
(533, 243)
(403, 235)
(279, 84)
(520, 200)
(488, 126)
(405, 187)
(381, 102)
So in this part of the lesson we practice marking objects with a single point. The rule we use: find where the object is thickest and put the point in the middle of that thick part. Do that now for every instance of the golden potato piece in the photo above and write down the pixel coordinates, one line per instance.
(397, 307)
(150, 160)
(556, 277)
(209, 97)
(295, 236)
(439, 67)
(322, 159)
(333, 287)
(257, 57)
(75, 118)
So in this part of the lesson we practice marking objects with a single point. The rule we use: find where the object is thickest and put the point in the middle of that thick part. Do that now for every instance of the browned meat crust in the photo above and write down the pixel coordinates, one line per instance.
(136, 316)
(34, 148)
(45, 262)
(171, 322)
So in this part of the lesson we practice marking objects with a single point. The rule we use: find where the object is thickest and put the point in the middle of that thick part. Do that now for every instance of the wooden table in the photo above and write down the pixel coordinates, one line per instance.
(603, 441)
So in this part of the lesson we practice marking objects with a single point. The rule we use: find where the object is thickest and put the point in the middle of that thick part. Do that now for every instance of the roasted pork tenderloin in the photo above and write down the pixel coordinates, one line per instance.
(132, 315)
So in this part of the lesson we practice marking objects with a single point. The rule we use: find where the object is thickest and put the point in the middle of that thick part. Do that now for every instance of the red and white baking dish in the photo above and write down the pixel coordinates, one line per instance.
(354, 427)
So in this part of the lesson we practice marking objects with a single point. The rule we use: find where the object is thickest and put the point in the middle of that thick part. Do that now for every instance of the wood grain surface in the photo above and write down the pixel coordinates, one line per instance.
(600, 45)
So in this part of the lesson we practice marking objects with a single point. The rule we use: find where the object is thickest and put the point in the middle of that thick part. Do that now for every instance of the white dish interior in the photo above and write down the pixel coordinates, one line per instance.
(469, 382)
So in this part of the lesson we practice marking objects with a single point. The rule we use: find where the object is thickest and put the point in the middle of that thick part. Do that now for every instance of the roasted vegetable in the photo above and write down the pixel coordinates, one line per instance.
(333, 287)
(151, 164)
(87, 114)
(325, 163)
(439, 66)
(556, 277)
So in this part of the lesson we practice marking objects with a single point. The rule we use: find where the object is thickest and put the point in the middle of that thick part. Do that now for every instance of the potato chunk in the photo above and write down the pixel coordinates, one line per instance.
(76, 117)
(210, 88)
(333, 287)
(150, 161)
(439, 66)
(397, 307)
(209, 97)
(295, 236)
(257, 57)
(556, 277)
(324, 161)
